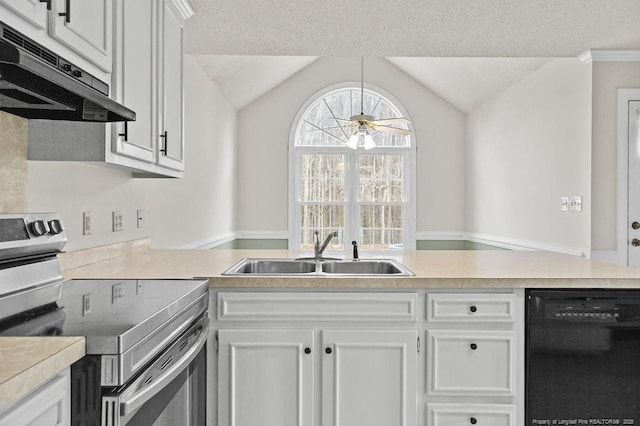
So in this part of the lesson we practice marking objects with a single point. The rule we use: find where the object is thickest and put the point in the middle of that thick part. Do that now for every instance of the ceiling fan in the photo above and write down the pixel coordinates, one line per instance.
(362, 123)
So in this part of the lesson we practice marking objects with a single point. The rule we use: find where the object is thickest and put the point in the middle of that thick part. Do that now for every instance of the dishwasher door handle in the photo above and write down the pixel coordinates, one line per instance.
(131, 403)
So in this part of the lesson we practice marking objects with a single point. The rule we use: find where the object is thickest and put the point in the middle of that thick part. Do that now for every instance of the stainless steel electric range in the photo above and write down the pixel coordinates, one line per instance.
(145, 339)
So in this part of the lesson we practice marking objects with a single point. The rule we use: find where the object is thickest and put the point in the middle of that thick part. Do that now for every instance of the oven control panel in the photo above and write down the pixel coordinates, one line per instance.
(30, 234)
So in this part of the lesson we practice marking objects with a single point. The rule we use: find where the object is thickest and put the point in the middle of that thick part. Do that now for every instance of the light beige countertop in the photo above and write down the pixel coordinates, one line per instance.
(29, 362)
(433, 269)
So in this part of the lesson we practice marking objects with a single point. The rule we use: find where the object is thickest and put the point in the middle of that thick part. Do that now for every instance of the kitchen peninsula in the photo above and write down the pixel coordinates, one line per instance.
(452, 335)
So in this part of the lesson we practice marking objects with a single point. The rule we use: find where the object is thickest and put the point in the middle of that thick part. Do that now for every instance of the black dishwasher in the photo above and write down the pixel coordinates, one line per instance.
(583, 357)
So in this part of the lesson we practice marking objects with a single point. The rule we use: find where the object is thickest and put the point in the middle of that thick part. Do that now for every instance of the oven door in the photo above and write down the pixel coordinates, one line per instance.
(171, 391)
(582, 364)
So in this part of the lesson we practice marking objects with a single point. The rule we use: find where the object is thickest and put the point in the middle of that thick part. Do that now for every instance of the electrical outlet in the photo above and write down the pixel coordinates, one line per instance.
(86, 304)
(117, 221)
(140, 215)
(116, 292)
(564, 204)
(86, 223)
(576, 203)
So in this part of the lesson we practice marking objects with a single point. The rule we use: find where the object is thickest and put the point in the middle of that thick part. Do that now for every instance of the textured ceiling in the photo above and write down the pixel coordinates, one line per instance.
(475, 28)
(464, 50)
(242, 79)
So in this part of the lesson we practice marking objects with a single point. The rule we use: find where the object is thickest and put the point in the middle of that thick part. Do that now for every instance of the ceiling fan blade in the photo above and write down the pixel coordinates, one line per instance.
(398, 120)
(392, 130)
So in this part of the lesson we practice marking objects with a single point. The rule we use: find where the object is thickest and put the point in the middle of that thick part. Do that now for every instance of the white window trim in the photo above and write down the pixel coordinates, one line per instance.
(410, 153)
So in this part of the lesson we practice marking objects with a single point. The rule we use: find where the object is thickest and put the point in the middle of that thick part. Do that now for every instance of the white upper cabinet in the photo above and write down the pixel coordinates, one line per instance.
(32, 12)
(73, 29)
(147, 77)
(171, 152)
(85, 27)
(134, 82)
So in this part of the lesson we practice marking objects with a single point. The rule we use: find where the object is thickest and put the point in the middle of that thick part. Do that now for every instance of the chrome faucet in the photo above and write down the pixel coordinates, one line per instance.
(317, 250)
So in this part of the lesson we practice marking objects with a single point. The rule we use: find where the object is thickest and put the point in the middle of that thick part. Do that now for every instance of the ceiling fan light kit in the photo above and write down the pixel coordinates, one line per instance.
(362, 123)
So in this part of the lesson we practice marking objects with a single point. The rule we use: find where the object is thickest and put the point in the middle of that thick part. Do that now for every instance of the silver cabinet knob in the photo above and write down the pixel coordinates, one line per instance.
(635, 225)
(635, 242)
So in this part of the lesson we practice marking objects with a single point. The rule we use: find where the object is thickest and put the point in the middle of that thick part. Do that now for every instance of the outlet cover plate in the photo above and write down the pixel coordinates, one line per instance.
(117, 221)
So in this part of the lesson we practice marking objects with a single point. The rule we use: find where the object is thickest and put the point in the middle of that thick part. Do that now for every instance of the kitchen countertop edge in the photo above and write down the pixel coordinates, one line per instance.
(41, 359)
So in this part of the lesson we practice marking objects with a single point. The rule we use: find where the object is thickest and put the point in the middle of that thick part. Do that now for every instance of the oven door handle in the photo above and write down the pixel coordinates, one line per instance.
(131, 403)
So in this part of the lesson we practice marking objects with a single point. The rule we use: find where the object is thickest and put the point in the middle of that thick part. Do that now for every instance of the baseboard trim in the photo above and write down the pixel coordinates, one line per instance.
(501, 242)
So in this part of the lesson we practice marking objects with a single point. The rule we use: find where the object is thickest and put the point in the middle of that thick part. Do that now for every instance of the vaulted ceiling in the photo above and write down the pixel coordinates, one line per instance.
(464, 50)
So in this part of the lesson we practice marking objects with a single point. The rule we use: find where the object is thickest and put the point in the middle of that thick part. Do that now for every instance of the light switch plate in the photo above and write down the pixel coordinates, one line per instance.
(86, 223)
(564, 203)
(576, 203)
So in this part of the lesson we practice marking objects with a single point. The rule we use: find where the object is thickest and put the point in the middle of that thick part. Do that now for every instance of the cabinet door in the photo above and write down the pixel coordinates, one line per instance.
(47, 406)
(134, 78)
(265, 377)
(369, 377)
(32, 12)
(85, 28)
(471, 363)
(171, 152)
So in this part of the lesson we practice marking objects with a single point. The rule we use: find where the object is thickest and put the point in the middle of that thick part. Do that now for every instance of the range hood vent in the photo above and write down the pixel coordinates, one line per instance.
(37, 83)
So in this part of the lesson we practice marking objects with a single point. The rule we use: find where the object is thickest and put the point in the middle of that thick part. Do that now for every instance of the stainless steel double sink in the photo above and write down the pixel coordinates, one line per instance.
(312, 267)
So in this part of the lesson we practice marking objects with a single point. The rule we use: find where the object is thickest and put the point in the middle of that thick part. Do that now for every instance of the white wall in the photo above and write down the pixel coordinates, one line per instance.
(527, 147)
(263, 137)
(201, 207)
(178, 212)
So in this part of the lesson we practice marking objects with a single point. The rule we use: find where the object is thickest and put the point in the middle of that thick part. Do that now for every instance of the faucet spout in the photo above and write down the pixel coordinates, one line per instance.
(320, 249)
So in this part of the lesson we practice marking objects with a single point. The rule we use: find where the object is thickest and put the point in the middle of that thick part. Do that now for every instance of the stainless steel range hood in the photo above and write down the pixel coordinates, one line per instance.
(37, 83)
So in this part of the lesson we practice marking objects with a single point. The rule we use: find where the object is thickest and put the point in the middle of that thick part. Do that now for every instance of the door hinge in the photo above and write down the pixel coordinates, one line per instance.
(418, 344)
(216, 343)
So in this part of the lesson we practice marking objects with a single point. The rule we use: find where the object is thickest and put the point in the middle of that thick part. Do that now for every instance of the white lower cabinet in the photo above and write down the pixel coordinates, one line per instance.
(265, 377)
(369, 377)
(479, 362)
(475, 358)
(357, 358)
(471, 414)
(47, 406)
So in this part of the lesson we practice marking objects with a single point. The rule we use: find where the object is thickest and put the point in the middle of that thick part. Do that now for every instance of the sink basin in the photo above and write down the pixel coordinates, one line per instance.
(310, 267)
(365, 267)
(271, 267)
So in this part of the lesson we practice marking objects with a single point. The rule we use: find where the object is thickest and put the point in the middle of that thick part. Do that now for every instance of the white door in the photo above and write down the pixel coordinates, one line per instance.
(369, 377)
(633, 222)
(265, 377)
(85, 28)
(171, 152)
(134, 79)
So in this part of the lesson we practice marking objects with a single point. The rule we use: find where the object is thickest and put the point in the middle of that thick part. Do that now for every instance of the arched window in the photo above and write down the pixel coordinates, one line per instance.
(366, 194)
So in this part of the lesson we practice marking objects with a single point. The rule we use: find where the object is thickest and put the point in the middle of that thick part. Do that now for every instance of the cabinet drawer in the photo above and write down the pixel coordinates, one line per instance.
(317, 306)
(468, 307)
(471, 414)
(471, 363)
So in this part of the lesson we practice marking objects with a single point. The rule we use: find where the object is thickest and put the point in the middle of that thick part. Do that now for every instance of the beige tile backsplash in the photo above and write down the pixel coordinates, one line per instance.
(13, 163)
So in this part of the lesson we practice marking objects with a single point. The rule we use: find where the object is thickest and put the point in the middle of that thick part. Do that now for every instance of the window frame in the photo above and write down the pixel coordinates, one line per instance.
(352, 189)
